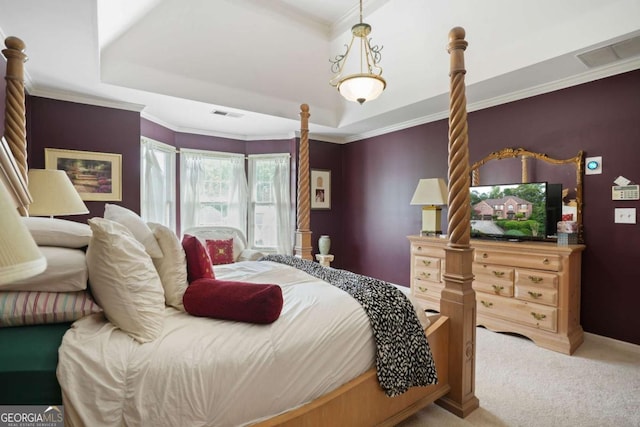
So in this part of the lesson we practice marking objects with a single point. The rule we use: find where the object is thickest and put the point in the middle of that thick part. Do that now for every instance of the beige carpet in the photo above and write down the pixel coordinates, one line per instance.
(520, 384)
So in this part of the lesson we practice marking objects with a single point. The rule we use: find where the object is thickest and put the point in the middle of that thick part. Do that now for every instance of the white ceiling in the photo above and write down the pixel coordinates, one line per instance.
(176, 61)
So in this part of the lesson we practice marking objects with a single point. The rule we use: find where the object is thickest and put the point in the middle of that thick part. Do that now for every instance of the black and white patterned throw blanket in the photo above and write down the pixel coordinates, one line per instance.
(403, 356)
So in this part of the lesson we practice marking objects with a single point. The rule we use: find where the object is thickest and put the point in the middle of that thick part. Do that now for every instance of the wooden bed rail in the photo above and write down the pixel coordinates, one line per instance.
(458, 300)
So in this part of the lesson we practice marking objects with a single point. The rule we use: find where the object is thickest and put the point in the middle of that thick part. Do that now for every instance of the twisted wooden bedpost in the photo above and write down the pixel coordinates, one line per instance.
(14, 119)
(458, 300)
(303, 233)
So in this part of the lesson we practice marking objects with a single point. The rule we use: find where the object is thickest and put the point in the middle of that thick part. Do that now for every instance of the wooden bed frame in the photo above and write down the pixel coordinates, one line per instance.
(451, 335)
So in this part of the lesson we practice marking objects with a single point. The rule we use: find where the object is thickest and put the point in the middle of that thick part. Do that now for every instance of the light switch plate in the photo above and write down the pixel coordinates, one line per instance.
(625, 216)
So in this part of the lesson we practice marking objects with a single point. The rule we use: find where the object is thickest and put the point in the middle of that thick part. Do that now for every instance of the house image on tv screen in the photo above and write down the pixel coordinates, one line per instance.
(509, 207)
(509, 211)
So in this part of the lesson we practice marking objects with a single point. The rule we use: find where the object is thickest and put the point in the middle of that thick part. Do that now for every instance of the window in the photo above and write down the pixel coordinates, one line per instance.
(213, 189)
(270, 203)
(157, 183)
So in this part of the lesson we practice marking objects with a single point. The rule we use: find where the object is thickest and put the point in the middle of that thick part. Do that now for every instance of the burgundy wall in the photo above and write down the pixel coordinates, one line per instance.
(600, 118)
(323, 155)
(73, 126)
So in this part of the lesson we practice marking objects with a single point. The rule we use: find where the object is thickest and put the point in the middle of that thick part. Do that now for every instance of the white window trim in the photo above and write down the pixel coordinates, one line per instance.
(171, 180)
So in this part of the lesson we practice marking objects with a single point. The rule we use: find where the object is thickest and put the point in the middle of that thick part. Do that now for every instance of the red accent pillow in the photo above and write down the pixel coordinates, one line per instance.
(567, 217)
(198, 261)
(243, 302)
(220, 251)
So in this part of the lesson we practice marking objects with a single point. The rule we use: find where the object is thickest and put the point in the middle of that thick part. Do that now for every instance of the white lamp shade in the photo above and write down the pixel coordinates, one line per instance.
(20, 257)
(53, 194)
(430, 191)
(361, 87)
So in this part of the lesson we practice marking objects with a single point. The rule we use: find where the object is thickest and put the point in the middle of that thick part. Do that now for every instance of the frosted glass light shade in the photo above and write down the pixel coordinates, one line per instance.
(362, 87)
(53, 194)
(20, 257)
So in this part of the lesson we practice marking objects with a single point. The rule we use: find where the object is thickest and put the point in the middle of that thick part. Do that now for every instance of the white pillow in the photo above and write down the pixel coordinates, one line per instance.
(66, 272)
(136, 226)
(58, 232)
(172, 267)
(124, 281)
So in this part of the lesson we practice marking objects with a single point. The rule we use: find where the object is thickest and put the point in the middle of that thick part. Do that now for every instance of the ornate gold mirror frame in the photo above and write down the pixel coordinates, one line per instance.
(530, 171)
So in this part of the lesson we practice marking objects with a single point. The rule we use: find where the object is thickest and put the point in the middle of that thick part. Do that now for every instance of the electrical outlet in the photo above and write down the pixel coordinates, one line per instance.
(625, 216)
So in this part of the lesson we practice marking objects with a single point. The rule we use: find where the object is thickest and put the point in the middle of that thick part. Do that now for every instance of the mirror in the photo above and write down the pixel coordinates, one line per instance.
(517, 165)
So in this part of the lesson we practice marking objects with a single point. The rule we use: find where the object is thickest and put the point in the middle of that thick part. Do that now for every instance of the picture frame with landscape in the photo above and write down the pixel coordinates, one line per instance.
(96, 176)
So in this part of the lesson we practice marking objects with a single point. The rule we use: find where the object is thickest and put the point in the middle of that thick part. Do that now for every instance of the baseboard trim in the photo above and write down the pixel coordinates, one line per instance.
(613, 342)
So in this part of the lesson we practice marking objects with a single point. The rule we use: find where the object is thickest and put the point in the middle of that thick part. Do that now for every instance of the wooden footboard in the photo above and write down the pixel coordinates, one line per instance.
(361, 401)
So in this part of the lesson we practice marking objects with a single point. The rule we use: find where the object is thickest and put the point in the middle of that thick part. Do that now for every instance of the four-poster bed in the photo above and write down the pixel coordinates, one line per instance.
(451, 335)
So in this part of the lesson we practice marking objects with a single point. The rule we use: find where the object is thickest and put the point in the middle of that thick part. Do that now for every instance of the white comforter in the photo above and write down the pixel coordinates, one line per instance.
(206, 372)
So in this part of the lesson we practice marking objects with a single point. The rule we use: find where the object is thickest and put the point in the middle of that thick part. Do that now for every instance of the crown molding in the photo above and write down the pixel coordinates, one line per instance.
(586, 77)
(84, 99)
(205, 132)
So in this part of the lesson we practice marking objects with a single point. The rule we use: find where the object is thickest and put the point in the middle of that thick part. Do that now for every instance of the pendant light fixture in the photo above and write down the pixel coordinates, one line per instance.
(368, 84)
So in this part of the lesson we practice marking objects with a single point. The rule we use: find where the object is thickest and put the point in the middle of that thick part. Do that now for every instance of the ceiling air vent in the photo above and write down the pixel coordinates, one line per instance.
(226, 114)
(612, 53)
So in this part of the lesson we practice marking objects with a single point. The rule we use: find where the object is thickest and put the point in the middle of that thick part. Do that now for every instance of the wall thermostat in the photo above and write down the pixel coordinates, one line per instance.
(593, 165)
(625, 192)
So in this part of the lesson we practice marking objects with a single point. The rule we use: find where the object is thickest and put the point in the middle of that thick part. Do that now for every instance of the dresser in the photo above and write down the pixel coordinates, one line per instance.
(528, 288)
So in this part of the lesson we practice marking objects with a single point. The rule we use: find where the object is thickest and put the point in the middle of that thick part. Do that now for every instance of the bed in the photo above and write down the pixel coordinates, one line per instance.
(352, 393)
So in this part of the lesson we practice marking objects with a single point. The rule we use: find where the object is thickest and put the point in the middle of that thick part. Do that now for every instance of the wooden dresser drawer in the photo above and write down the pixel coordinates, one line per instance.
(423, 288)
(427, 275)
(535, 315)
(537, 294)
(426, 262)
(497, 287)
(493, 279)
(550, 262)
(540, 279)
(429, 251)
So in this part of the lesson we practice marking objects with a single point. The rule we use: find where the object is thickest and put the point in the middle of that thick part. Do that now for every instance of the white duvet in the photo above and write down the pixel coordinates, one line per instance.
(207, 372)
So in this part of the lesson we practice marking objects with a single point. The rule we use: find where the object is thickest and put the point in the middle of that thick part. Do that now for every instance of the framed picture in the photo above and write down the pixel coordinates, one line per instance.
(96, 176)
(320, 189)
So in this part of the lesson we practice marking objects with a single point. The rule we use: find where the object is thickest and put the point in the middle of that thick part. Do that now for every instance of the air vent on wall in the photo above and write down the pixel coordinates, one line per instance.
(608, 54)
(226, 114)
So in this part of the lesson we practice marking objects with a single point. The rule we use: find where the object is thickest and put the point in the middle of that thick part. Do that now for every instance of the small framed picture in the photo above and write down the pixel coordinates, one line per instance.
(96, 176)
(320, 189)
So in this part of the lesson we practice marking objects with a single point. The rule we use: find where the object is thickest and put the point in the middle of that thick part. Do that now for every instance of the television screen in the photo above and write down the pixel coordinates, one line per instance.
(510, 211)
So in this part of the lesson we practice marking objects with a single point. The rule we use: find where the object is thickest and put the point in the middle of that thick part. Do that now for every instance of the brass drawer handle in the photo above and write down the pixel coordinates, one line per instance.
(425, 274)
(498, 273)
(419, 248)
(426, 262)
(536, 279)
(538, 316)
(497, 289)
(486, 303)
(535, 295)
(422, 289)
(485, 255)
(545, 261)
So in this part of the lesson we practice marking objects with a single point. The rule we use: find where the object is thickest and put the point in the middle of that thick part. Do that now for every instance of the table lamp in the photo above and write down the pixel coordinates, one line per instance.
(53, 194)
(20, 257)
(431, 193)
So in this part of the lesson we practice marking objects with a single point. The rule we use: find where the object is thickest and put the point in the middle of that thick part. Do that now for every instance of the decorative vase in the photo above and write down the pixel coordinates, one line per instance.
(324, 244)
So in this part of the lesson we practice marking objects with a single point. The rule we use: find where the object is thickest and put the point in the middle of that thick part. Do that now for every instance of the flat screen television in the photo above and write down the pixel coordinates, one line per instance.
(526, 211)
